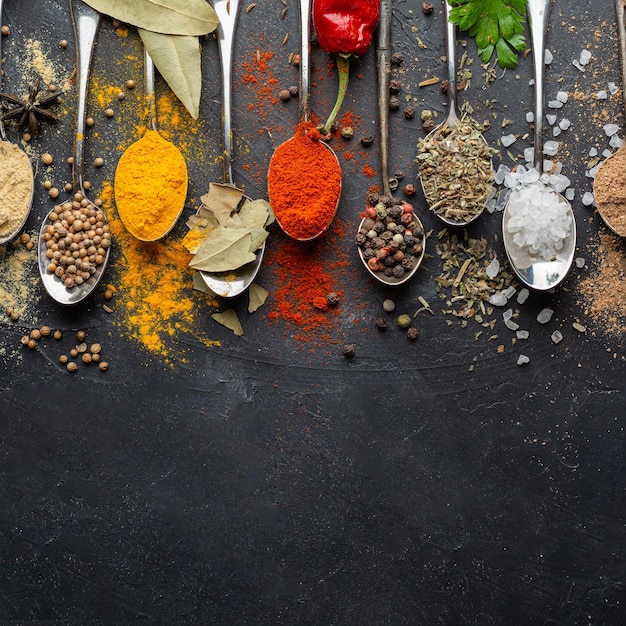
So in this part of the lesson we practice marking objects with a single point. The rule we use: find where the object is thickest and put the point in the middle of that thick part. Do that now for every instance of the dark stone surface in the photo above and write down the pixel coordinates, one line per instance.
(265, 481)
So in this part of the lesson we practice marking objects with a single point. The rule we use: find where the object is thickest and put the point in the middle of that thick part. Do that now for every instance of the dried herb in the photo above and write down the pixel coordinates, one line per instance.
(170, 17)
(455, 170)
(230, 320)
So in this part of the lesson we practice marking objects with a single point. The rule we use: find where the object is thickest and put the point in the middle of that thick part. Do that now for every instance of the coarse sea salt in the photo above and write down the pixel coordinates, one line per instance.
(564, 124)
(551, 147)
(602, 95)
(548, 57)
(551, 118)
(522, 334)
(530, 117)
(493, 268)
(587, 198)
(508, 140)
(539, 220)
(545, 315)
(570, 193)
(522, 296)
(585, 57)
(522, 359)
(556, 336)
(616, 141)
(561, 96)
(580, 262)
(610, 129)
(613, 89)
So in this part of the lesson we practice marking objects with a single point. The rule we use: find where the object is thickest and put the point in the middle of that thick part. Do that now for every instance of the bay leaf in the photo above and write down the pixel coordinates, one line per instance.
(200, 285)
(222, 200)
(257, 295)
(230, 320)
(256, 213)
(258, 236)
(177, 57)
(223, 250)
(170, 17)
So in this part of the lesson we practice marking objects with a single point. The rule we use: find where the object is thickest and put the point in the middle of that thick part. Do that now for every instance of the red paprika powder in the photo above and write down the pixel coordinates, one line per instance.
(304, 183)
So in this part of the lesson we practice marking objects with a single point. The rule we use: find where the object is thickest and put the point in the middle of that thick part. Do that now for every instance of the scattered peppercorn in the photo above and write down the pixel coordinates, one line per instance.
(380, 322)
(293, 91)
(412, 332)
(394, 103)
(394, 86)
(443, 85)
(367, 140)
(397, 58)
(348, 350)
(347, 132)
(427, 8)
(428, 125)
(409, 113)
(389, 305)
(404, 320)
(332, 298)
(284, 95)
(409, 189)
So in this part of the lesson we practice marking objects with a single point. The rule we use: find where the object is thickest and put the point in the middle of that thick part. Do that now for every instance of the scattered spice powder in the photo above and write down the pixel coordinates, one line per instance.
(602, 295)
(304, 183)
(258, 77)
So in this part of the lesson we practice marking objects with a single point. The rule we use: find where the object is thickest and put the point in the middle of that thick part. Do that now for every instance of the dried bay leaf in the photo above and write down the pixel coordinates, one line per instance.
(177, 57)
(257, 295)
(170, 17)
(224, 249)
(230, 320)
(200, 285)
(256, 213)
(222, 200)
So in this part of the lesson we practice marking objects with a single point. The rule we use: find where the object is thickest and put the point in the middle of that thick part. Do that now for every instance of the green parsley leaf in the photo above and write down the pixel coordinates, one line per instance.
(495, 25)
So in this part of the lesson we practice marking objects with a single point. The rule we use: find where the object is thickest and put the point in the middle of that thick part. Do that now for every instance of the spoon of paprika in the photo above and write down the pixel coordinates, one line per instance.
(407, 240)
(151, 176)
(65, 289)
(304, 177)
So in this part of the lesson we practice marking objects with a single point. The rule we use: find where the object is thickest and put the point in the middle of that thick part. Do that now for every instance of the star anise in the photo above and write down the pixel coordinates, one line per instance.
(31, 110)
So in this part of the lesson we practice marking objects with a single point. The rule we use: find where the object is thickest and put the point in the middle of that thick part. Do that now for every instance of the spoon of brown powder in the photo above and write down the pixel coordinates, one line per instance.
(609, 185)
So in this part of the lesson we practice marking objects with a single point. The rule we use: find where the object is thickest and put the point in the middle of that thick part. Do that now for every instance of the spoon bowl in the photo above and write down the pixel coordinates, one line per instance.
(3, 138)
(330, 157)
(383, 56)
(533, 270)
(235, 282)
(611, 205)
(155, 179)
(464, 216)
(86, 25)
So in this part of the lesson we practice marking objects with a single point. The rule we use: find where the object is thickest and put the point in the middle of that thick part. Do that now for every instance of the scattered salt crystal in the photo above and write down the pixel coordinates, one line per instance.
(529, 154)
(610, 129)
(580, 262)
(522, 296)
(522, 359)
(577, 65)
(530, 117)
(490, 205)
(602, 95)
(587, 198)
(569, 193)
(616, 141)
(592, 152)
(606, 153)
(556, 336)
(556, 131)
(507, 317)
(561, 96)
(547, 167)
(555, 104)
(559, 183)
(548, 57)
(545, 315)
(531, 82)
(493, 268)
(508, 140)
(509, 292)
(564, 124)
(585, 57)
(612, 88)
(498, 299)
(522, 334)
(503, 198)
(501, 172)
(551, 118)
(551, 147)
(592, 172)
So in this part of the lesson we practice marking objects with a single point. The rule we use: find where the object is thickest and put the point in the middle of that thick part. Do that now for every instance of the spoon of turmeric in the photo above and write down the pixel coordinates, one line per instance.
(151, 177)
(304, 177)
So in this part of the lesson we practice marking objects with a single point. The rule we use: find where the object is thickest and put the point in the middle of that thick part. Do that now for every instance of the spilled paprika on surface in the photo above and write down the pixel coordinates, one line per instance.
(344, 29)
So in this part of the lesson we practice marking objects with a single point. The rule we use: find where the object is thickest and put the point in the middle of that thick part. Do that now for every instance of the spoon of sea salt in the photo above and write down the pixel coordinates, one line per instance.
(541, 255)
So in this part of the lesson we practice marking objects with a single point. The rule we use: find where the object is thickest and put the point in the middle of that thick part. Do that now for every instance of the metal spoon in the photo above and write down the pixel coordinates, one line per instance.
(533, 270)
(452, 117)
(3, 137)
(126, 212)
(601, 180)
(305, 35)
(235, 282)
(383, 55)
(86, 25)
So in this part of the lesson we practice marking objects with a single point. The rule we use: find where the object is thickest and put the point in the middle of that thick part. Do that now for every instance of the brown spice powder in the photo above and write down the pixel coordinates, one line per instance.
(609, 189)
(602, 295)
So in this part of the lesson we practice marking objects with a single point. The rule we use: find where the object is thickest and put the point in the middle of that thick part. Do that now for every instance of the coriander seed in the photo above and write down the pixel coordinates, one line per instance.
(108, 294)
(63, 43)
(80, 335)
(389, 305)
(5, 30)
(95, 348)
(57, 334)
(73, 353)
(99, 162)
(32, 344)
(109, 112)
(63, 359)
(53, 192)
(35, 334)
(45, 331)
(86, 357)
(89, 122)
(130, 84)
(46, 158)
(24, 340)
(103, 366)
(71, 366)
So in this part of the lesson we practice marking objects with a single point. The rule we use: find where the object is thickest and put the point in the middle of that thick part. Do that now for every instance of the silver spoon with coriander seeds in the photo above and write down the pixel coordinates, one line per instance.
(454, 159)
(75, 237)
(17, 186)
(538, 225)
(390, 240)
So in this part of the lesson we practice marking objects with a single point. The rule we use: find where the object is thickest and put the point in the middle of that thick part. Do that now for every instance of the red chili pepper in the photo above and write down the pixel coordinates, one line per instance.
(344, 28)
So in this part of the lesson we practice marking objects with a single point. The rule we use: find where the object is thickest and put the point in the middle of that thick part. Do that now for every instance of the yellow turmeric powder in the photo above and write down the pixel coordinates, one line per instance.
(150, 186)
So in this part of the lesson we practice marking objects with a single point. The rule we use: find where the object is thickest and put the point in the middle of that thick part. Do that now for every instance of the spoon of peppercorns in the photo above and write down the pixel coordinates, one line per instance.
(75, 237)
(391, 239)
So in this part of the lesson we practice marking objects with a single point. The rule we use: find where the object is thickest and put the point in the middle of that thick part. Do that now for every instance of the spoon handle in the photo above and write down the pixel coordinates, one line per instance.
(305, 53)
(538, 12)
(383, 65)
(86, 25)
(451, 56)
(227, 11)
(620, 14)
(148, 77)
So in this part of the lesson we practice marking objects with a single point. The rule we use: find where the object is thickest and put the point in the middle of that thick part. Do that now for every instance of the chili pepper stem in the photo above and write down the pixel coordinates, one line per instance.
(343, 69)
